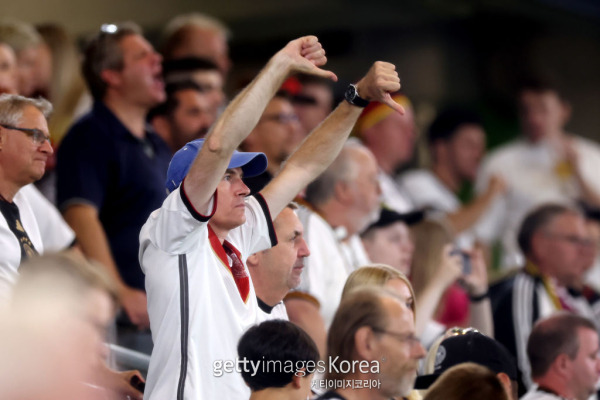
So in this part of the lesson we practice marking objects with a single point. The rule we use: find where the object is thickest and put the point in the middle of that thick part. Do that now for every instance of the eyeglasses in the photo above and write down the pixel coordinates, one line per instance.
(573, 239)
(281, 118)
(403, 337)
(38, 136)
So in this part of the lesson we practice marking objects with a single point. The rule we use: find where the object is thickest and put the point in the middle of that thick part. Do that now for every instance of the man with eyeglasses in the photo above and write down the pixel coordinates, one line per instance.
(372, 349)
(554, 240)
(273, 135)
(24, 149)
(547, 163)
(111, 167)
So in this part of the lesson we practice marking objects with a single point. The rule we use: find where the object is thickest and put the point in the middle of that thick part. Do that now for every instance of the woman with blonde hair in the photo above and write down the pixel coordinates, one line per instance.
(458, 296)
(381, 275)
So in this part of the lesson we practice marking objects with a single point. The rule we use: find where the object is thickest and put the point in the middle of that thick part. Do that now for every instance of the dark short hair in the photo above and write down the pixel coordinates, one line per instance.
(189, 65)
(275, 344)
(103, 52)
(540, 83)
(308, 79)
(446, 124)
(553, 336)
(536, 220)
(169, 106)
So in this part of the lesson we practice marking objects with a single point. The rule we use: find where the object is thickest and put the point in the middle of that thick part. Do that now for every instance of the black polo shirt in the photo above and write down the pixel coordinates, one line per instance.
(102, 164)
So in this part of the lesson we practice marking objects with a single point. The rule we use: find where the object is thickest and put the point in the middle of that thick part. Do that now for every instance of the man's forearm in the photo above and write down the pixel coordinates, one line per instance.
(323, 145)
(243, 113)
(315, 154)
(91, 237)
(465, 217)
(236, 123)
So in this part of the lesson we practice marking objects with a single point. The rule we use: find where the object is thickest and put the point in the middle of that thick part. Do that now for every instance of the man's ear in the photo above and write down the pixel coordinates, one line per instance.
(253, 260)
(365, 343)
(297, 378)
(342, 192)
(161, 125)
(438, 150)
(562, 365)
(505, 381)
(111, 77)
(566, 111)
(537, 245)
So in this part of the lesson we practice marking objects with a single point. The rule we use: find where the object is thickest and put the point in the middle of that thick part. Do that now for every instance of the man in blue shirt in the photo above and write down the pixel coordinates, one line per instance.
(111, 168)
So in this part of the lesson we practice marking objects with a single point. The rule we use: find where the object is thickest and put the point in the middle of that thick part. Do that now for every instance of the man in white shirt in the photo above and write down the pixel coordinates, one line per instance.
(343, 201)
(391, 138)
(563, 352)
(546, 165)
(277, 270)
(24, 148)
(456, 141)
(193, 249)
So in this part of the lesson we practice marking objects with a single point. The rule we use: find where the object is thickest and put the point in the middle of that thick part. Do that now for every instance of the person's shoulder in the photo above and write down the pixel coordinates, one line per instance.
(95, 123)
(539, 395)
(33, 197)
(28, 191)
(504, 285)
(586, 145)
(416, 176)
(507, 150)
(23, 196)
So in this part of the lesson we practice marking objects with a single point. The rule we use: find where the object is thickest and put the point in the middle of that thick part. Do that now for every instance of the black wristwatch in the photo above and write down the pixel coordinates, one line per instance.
(353, 98)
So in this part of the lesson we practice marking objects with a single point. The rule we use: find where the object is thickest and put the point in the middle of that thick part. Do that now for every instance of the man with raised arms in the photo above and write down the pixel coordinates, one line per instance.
(193, 249)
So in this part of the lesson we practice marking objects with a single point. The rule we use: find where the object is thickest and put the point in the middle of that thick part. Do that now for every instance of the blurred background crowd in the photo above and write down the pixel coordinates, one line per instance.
(484, 195)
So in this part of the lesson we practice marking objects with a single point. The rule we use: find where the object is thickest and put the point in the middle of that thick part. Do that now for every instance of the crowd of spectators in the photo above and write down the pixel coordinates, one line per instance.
(272, 244)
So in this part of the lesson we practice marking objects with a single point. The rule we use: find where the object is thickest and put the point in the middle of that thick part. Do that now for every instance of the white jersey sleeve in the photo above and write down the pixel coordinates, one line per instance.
(175, 227)
(55, 233)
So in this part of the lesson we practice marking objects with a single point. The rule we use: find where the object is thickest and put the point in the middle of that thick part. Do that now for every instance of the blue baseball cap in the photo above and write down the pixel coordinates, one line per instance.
(252, 164)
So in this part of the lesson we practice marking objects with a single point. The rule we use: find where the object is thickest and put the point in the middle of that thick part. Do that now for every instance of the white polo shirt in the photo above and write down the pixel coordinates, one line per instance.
(44, 226)
(11, 250)
(427, 191)
(56, 234)
(534, 175)
(330, 262)
(394, 195)
(197, 314)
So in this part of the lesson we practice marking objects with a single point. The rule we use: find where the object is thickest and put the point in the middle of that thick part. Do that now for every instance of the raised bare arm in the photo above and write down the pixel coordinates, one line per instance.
(237, 121)
(323, 145)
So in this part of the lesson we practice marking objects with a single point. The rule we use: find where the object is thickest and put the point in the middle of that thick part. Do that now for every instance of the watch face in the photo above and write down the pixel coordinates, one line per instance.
(350, 93)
